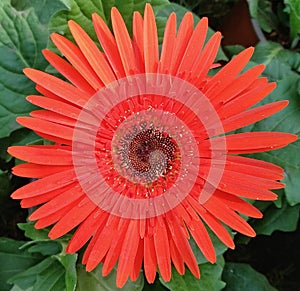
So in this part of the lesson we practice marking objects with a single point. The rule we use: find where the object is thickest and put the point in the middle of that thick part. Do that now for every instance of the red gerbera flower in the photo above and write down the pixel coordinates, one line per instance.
(140, 160)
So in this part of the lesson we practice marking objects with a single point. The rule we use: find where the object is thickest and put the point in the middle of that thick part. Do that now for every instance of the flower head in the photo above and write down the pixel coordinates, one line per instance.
(141, 160)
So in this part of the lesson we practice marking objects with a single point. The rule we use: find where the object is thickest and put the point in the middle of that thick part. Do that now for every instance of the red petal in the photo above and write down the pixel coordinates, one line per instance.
(100, 244)
(109, 45)
(254, 142)
(162, 249)
(115, 248)
(183, 36)
(138, 40)
(150, 41)
(92, 53)
(45, 197)
(194, 47)
(47, 184)
(247, 99)
(138, 262)
(231, 177)
(58, 87)
(226, 75)
(238, 204)
(53, 117)
(37, 171)
(47, 127)
(52, 218)
(149, 259)
(227, 216)
(227, 91)
(182, 244)
(57, 203)
(201, 237)
(55, 139)
(77, 59)
(55, 106)
(124, 42)
(75, 216)
(176, 258)
(39, 155)
(253, 115)
(68, 71)
(87, 228)
(51, 95)
(128, 253)
(254, 167)
(212, 223)
(168, 44)
(207, 57)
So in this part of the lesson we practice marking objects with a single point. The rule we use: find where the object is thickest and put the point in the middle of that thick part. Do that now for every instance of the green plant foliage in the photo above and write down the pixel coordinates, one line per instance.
(293, 9)
(278, 16)
(262, 11)
(22, 37)
(56, 270)
(33, 233)
(69, 263)
(243, 277)
(284, 218)
(44, 9)
(94, 281)
(14, 260)
(210, 278)
(279, 61)
(47, 275)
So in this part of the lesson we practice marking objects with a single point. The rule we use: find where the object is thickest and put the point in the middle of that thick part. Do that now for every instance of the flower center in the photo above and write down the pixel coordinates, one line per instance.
(145, 153)
(151, 149)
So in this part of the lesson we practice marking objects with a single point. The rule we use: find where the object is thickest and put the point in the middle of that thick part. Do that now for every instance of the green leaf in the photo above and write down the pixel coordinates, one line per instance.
(243, 277)
(46, 248)
(33, 233)
(94, 281)
(56, 272)
(56, 249)
(279, 62)
(284, 219)
(14, 260)
(47, 275)
(44, 9)
(210, 278)
(294, 11)
(22, 37)
(163, 13)
(262, 11)
(69, 263)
